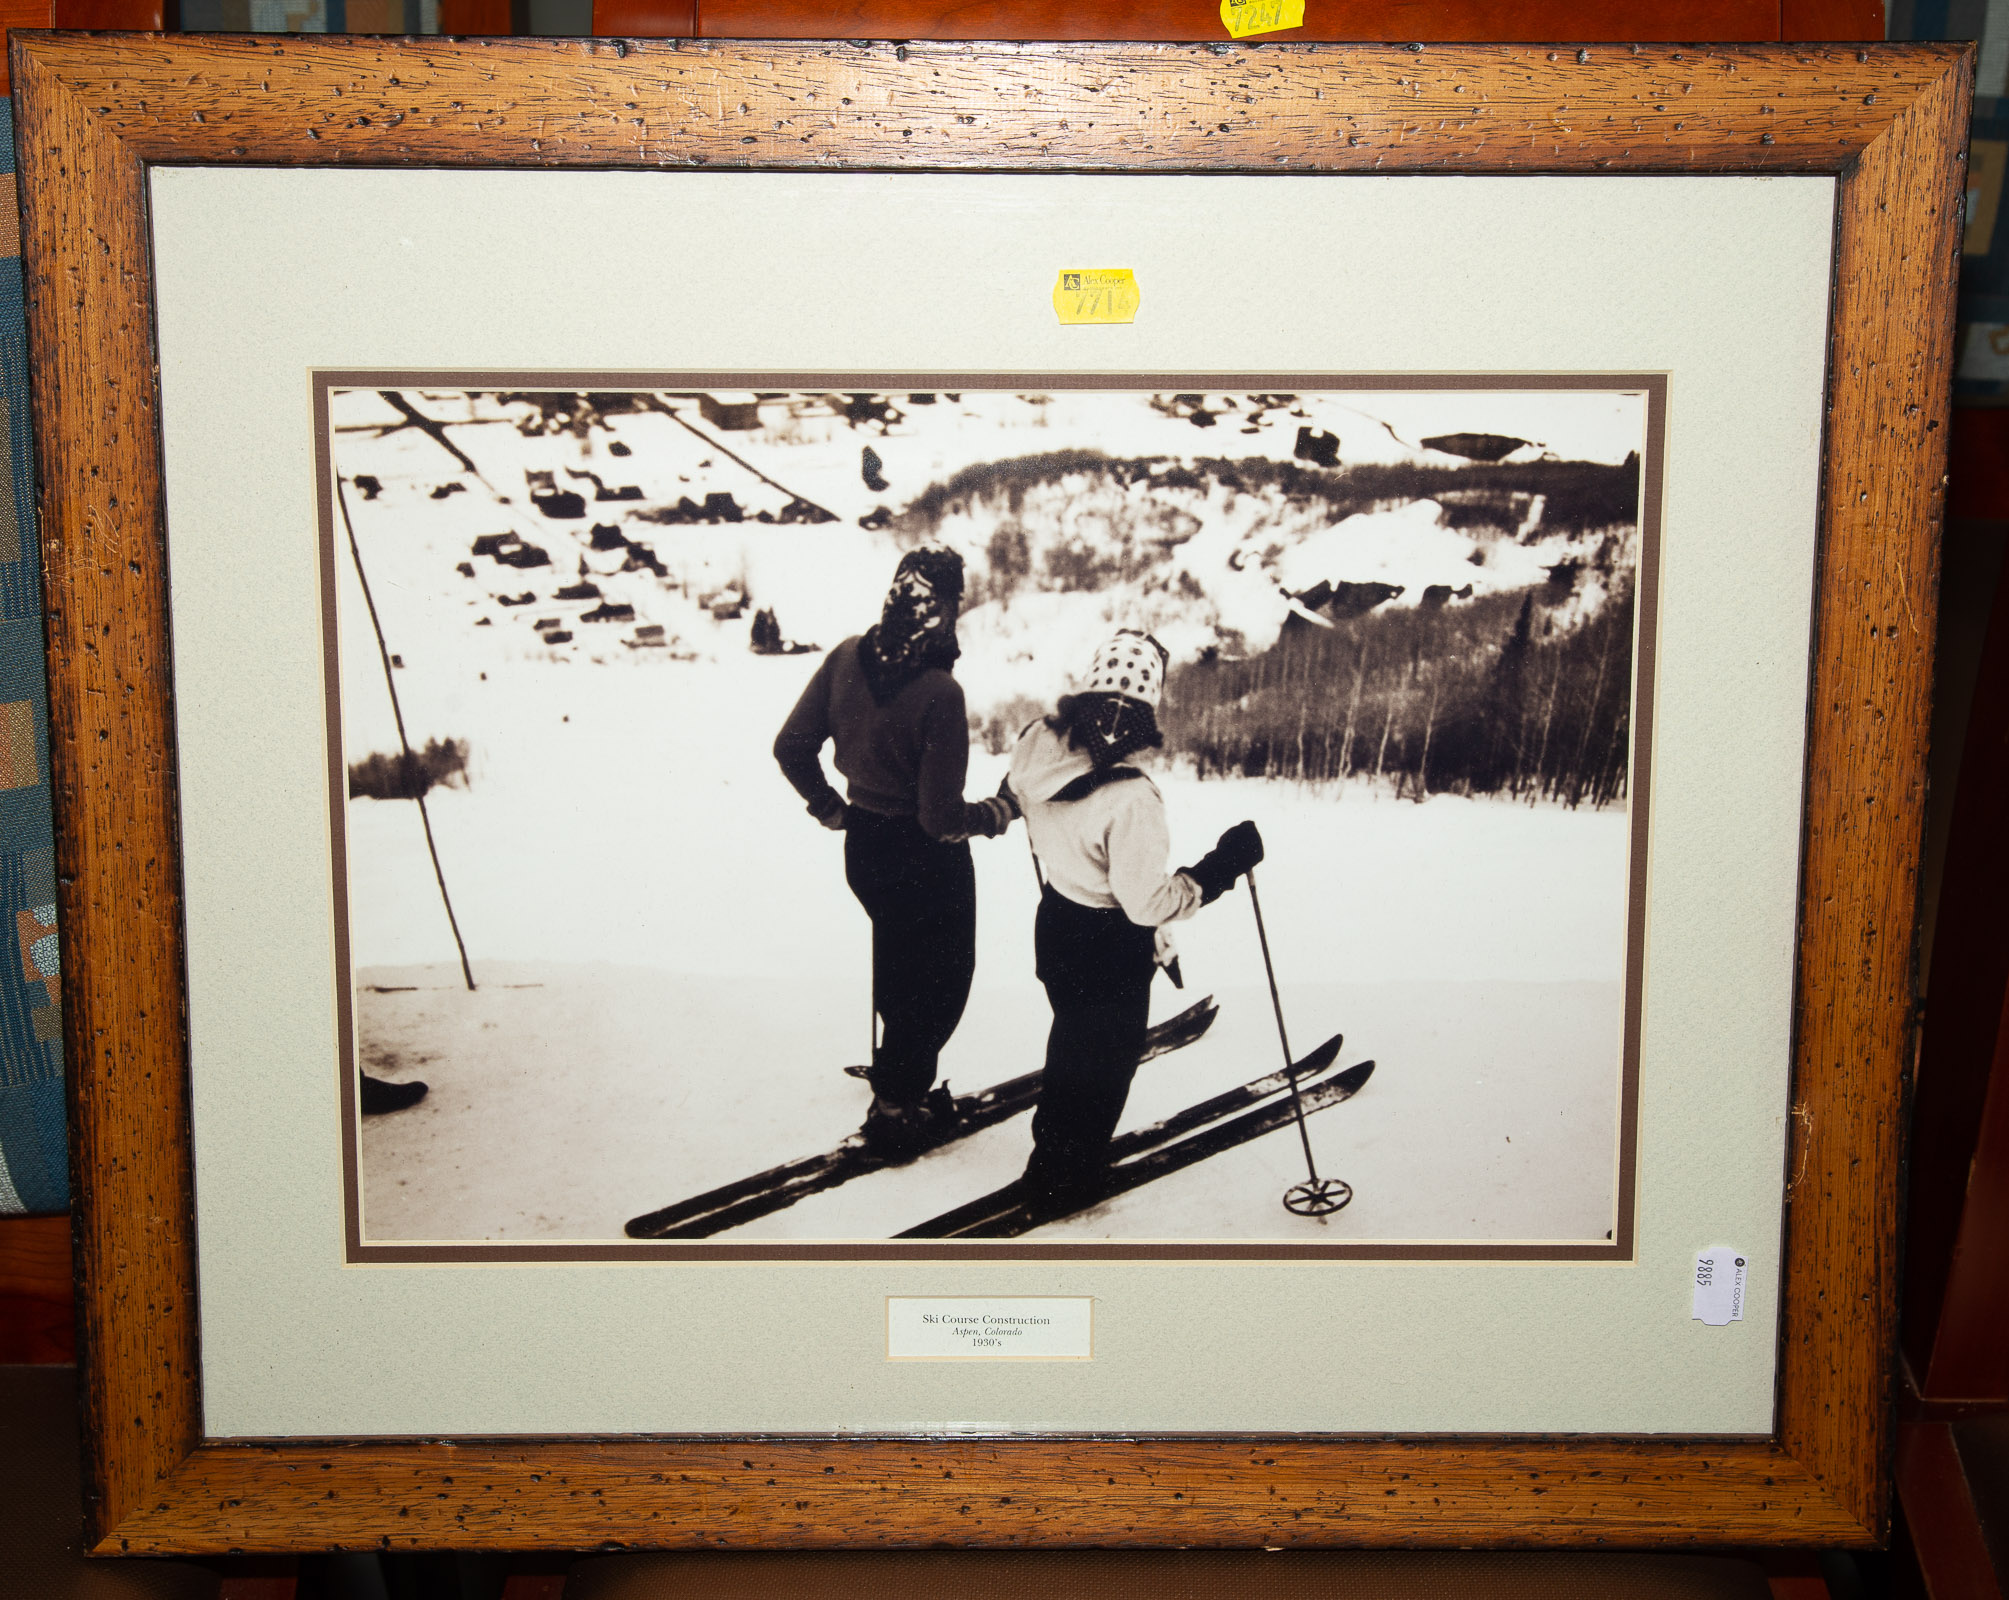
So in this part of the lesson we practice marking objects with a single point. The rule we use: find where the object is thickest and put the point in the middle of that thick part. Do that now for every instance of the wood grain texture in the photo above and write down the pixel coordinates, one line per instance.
(1046, 1493)
(1889, 402)
(37, 1309)
(20, 14)
(646, 19)
(1886, 120)
(1807, 20)
(110, 749)
(1012, 107)
(128, 14)
(1946, 1529)
(474, 16)
(1402, 21)
(1354, 21)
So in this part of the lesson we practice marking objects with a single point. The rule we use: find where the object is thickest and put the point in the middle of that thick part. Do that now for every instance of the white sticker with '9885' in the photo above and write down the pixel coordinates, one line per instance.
(1719, 1286)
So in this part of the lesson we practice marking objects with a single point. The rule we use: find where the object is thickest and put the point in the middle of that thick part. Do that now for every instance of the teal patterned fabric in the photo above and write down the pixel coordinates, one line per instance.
(34, 1169)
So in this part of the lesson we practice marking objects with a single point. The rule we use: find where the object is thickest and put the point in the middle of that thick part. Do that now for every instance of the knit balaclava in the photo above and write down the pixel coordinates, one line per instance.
(917, 626)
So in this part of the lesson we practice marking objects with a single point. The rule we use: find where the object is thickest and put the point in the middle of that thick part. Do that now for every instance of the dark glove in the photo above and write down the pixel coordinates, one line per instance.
(1239, 849)
(989, 818)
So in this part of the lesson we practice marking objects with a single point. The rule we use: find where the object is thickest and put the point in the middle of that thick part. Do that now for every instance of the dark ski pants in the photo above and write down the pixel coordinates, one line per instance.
(921, 895)
(1097, 967)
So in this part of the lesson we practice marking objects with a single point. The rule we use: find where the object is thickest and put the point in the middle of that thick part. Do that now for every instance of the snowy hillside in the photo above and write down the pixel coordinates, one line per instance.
(593, 527)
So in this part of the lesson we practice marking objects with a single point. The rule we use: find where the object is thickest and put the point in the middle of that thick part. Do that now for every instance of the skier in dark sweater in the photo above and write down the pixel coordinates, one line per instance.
(887, 702)
(1098, 830)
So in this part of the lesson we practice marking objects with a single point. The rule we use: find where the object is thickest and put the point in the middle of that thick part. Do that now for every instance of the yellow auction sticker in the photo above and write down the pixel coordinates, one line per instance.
(1244, 17)
(1106, 294)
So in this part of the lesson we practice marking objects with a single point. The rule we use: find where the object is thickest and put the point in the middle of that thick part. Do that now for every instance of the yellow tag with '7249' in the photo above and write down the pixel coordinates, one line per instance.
(1244, 17)
(1107, 294)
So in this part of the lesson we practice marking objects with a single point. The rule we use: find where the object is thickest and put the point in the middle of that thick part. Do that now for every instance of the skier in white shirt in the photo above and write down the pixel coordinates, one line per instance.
(1098, 831)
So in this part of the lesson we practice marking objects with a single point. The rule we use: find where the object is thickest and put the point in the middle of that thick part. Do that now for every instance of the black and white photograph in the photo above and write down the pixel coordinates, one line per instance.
(863, 814)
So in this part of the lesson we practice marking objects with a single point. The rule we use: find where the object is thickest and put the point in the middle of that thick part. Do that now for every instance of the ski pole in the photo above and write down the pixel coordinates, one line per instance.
(1318, 1197)
(398, 714)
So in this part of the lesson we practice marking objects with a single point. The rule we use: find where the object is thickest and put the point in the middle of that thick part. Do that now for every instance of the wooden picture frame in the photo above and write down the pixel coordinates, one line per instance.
(97, 113)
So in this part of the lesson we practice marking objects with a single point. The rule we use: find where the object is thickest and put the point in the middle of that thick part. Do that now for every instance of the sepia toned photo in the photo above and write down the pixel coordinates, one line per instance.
(891, 814)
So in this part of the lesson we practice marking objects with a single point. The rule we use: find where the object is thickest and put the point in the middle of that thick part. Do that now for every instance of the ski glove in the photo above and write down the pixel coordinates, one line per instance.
(990, 817)
(1239, 849)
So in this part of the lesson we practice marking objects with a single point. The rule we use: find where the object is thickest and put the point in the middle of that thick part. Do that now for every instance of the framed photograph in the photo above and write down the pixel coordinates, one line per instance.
(1442, 626)
(1012, 794)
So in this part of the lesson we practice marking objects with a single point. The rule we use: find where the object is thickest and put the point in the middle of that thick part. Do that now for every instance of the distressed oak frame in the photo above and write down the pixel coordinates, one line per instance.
(96, 111)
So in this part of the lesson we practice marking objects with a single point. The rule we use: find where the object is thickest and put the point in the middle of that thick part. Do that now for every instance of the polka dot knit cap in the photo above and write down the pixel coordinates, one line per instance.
(1132, 664)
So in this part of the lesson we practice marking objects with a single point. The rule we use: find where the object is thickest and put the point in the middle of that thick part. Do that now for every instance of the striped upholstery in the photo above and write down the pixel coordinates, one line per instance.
(34, 1174)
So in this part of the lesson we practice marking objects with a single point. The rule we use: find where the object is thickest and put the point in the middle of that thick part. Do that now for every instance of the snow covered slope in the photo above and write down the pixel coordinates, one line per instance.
(586, 528)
